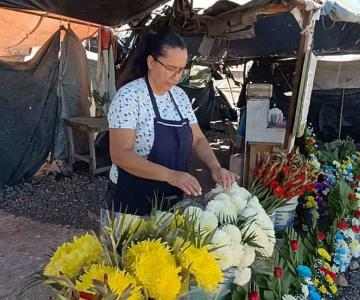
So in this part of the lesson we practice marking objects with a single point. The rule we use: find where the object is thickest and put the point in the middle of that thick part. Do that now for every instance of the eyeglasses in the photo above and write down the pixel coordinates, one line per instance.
(171, 71)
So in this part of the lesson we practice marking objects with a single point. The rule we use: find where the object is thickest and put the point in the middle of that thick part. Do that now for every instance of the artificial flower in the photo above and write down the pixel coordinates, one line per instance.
(294, 245)
(207, 221)
(321, 235)
(253, 295)
(342, 224)
(333, 289)
(323, 253)
(322, 289)
(304, 271)
(277, 272)
(357, 213)
(248, 257)
(233, 232)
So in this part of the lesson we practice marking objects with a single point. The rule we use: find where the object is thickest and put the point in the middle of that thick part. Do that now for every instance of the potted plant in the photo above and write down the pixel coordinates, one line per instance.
(100, 101)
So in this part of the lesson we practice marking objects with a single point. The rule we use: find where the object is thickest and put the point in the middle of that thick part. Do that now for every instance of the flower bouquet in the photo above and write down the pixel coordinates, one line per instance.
(279, 177)
(157, 257)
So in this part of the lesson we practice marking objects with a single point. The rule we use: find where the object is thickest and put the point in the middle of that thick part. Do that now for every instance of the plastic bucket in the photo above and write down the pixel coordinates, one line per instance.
(284, 216)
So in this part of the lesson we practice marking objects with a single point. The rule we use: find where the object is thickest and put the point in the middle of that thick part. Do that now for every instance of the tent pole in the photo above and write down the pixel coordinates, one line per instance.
(297, 79)
(341, 112)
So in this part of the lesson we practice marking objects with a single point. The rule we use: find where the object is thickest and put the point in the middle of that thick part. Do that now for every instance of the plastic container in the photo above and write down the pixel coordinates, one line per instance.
(284, 216)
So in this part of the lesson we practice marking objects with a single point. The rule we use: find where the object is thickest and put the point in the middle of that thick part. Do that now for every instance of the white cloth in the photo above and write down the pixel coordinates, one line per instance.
(132, 108)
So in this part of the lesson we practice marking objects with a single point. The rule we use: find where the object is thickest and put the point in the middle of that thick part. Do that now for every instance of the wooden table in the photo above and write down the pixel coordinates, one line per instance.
(91, 126)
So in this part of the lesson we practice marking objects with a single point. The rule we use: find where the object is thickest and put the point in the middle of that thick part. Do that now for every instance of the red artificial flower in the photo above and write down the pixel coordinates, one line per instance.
(352, 197)
(309, 188)
(86, 296)
(342, 224)
(328, 272)
(357, 214)
(285, 169)
(277, 272)
(355, 228)
(274, 184)
(321, 235)
(294, 245)
(278, 191)
(301, 177)
(253, 295)
(358, 177)
(353, 185)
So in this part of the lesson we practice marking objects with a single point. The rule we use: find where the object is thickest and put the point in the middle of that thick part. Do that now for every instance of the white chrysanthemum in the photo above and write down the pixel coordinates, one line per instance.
(268, 249)
(224, 257)
(261, 238)
(255, 204)
(240, 191)
(249, 229)
(218, 189)
(349, 234)
(242, 276)
(223, 209)
(248, 212)
(193, 211)
(233, 232)
(237, 251)
(220, 238)
(207, 221)
(238, 201)
(222, 197)
(248, 257)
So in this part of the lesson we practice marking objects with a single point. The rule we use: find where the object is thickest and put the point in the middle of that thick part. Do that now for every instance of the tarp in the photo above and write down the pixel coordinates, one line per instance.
(19, 31)
(280, 35)
(28, 110)
(73, 91)
(343, 10)
(110, 13)
(337, 73)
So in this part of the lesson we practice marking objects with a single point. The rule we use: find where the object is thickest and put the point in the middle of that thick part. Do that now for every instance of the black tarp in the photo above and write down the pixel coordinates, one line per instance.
(104, 12)
(28, 110)
(279, 35)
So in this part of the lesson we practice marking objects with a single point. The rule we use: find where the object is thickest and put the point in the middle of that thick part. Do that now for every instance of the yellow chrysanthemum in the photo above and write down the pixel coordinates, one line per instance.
(71, 257)
(96, 271)
(311, 202)
(329, 279)
(118, 281)
(155, 269)
(203, 266)
(333, 289)
(323, 289)
(323, 253)
(316, 282)
(178, 221)
(148, 247)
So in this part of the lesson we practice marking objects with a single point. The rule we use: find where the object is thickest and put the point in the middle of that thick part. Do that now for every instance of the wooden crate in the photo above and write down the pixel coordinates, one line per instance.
(252, 149)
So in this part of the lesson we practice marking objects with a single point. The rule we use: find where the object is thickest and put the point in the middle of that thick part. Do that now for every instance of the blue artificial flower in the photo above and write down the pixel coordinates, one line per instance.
(338, 259)
(339, 237)
(304, 271)
(331, 179)
(340, 250)
(314, 295)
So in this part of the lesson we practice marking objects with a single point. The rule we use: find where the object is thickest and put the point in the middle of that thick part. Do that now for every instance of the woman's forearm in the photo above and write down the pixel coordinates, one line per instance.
(204, 152)
(136, 165)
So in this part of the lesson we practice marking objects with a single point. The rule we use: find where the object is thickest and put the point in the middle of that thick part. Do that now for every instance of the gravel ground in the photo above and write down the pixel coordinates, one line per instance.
(67, 200)
(352, 291)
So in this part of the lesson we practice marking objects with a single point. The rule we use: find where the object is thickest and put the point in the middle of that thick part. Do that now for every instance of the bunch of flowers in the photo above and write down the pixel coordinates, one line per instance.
(243, 230)
(279, 177)
(159, 257)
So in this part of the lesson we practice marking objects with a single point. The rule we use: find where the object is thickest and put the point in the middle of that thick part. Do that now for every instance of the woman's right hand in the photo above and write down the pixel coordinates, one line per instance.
(184, 181)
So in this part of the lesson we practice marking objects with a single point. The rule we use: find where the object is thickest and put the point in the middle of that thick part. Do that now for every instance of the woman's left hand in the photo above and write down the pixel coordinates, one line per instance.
(224, 177)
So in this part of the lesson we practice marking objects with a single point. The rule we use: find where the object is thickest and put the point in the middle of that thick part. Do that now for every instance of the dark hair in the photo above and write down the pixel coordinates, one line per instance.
(148, 44)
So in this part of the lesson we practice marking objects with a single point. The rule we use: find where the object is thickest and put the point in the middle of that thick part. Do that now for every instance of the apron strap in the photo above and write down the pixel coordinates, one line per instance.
(154, 104)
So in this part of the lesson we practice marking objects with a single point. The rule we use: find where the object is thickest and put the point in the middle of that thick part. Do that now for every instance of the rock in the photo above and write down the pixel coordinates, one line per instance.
(354, 265)
(341, 281)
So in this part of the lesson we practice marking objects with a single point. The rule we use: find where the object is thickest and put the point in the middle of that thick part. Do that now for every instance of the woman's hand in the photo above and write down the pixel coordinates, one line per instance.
(223, 177)
(184, 181)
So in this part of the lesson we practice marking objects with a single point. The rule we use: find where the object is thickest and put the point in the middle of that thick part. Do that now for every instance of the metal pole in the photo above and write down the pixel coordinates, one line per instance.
(341, 112)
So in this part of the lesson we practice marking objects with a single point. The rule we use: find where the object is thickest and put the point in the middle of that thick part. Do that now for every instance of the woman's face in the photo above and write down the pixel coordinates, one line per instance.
(166, 71)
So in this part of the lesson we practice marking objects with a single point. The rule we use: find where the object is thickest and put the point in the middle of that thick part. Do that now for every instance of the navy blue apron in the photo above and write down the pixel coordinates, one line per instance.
(172, 148)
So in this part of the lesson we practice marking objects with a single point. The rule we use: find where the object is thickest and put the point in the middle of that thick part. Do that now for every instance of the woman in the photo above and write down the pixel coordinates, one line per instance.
(153, 132)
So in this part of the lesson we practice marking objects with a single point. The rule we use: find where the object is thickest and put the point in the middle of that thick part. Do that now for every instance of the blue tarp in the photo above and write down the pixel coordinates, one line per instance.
(343, 10)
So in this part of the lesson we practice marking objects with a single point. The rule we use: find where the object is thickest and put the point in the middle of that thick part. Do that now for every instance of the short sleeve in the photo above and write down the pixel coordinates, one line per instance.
(124, 109)
(185, 104)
